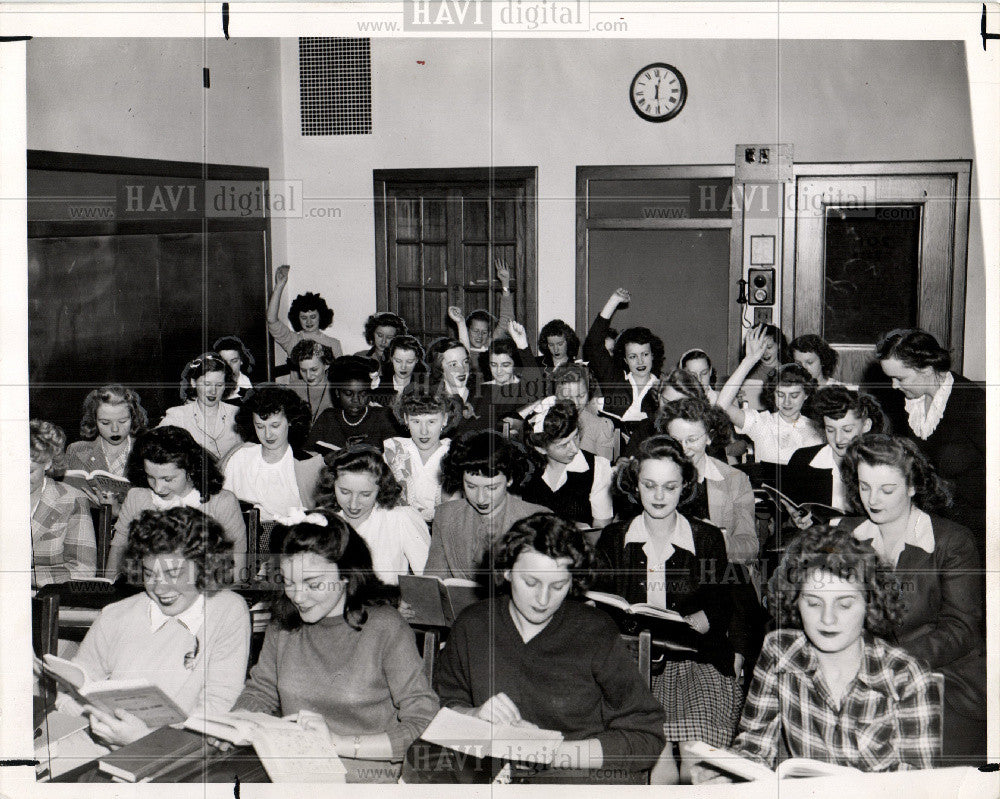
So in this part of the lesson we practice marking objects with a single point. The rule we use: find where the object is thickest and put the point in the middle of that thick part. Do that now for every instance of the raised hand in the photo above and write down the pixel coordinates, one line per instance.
(456, 315)
(281, 274)
(621, 296)
(518, 334)
(756, 342)
(503, 273)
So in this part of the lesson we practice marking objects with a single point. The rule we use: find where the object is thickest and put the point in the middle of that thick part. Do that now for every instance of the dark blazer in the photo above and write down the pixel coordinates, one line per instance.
(696, 582)
(942, 623)
(805, 483)
(616, 390)
(957, 448)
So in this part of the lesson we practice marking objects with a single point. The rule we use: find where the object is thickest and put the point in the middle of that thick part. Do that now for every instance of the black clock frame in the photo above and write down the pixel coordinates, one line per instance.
(680, 105)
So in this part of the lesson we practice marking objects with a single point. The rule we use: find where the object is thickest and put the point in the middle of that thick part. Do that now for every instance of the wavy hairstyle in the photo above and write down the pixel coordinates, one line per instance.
(417, 399)
(557, 327)
(183, 531)
(639, 335)
(914, 348)
(175, 445)
(788, 374)
(310, 301)
(487, 454)
(504, 345)
(113, 394)
(363, 459)
(47, 443)
(204, 364)
(338, 544)
(236, 343)
(384, 319)
(828, 357)
(836, 552)
(307, 349)
(411, 343)
(658, 447)
(548, 535)
(835, 402)
(573, 374)
(684, 383)
(715, 420)
(435, 358)
(267, 399)
(931, 492)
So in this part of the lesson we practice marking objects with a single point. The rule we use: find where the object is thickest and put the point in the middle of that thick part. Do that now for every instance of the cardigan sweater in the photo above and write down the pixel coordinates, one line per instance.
(363, 682)
(575, 676)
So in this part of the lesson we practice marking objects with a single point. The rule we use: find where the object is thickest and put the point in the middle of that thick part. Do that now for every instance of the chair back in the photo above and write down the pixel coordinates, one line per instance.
(616, 445)
(101, 515)
(45, 622)
(430, 648)
(251, 518)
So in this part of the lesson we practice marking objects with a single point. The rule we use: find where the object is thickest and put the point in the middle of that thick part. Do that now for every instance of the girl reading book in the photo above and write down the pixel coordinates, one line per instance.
(665, 558)
(182, 633)
(338, 653)
(535, 655)
(826, 683)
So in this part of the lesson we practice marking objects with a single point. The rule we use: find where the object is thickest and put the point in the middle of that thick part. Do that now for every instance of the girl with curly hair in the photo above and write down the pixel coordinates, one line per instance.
(482, 466)
(310, 363)
(359, 485)
(182, 633)
(277, 474)
(415, 460)
(179, 473)
(813, 354)
(63, 546)
(783, 425)
(677, 562)
(451, 373)
(113, 417)
(573, 484)
(204, 382)
(629, 378)
(337, 654)
(558, 344)
(535, 654)
(309, 315)
(234, 352)
(938, 563)
(380, 329)
(827, 684)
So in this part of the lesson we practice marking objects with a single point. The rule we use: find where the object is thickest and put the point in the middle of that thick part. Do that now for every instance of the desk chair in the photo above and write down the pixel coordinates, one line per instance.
(45, 623)
(102, 533)
(432, 643)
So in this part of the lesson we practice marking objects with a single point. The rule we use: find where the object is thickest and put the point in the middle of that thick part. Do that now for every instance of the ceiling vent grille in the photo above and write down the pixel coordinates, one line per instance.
(335, 86)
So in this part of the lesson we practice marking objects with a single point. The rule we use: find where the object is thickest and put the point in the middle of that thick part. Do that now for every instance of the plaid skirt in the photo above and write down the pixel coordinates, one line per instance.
(701, 703)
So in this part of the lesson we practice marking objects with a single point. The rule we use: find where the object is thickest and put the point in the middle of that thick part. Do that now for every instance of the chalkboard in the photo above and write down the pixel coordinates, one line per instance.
(133, 303)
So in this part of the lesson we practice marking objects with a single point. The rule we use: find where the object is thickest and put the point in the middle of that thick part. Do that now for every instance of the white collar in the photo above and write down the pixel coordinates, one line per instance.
(653, 379)
(681, 536)
(919, 532)
(710, 470)
(578, 464)
(824, 459)
(924, 420)
(192, 618)
(192, 499)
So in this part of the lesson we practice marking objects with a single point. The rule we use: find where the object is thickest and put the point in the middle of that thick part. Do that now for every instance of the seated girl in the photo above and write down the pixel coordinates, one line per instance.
(179, 474)
(359, 485)
(338, 654)
(234, 352)
(826, 684)
(782, 427)
(482, 466)
(597, 433)
(380, 329)
(937, 563)
(536, 655)
(415, 460)
(628, 379)
(573, 484)
(774, 354)
(406, 360)
(277, 474)
(352, 419)
(113, 417)
(451, 374)
(62, 530)
(817, 357)
(182, 633)
(664, 558)
(204, 382)
(509, 356)
(479, 328)
(309, 315)
(699, 364)
(310, 363)
(558, 345)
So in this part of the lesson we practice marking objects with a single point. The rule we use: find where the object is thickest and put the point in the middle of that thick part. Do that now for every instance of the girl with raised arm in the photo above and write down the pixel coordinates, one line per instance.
(309, 315)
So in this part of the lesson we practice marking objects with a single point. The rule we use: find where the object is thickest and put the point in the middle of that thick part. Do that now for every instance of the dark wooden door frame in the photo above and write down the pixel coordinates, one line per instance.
(445, 176)
(584, 174)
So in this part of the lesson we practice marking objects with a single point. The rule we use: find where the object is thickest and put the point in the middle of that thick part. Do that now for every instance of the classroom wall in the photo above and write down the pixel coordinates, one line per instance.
(550, 103)
(557, 104)
(144, 98)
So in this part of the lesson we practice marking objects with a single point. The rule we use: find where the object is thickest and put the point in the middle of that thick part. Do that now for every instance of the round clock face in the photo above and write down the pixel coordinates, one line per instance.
(658, 92)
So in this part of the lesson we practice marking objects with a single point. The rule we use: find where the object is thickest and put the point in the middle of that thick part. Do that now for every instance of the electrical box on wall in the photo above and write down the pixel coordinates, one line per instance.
(760, 287)
(763, 163)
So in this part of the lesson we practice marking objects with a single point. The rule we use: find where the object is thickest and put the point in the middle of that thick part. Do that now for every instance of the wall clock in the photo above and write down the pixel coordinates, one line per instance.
(658, 92)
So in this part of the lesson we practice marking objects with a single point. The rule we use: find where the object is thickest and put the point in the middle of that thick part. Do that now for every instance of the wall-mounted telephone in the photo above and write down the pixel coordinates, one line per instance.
(761, 287)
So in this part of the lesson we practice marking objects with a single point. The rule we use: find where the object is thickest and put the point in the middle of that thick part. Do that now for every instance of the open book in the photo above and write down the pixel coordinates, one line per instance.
(139, 697)
(524, 743)
(637, 608)
(437, 602)
(820, 512)
(288, 752)
(97, 481)
(736, 765)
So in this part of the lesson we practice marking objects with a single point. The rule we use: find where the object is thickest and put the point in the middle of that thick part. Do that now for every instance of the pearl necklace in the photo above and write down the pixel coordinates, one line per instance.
(354, 424)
